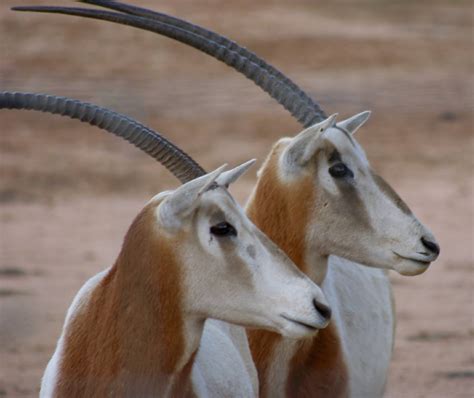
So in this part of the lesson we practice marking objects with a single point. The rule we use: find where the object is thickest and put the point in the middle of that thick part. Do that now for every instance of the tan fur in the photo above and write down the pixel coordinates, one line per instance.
(182, 386)
(129, 339)
(283, 218)
(283, 213)
(262, 343)
(317, 370)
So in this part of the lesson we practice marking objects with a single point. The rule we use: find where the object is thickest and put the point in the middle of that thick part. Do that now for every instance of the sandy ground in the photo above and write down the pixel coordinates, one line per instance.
(68, 192)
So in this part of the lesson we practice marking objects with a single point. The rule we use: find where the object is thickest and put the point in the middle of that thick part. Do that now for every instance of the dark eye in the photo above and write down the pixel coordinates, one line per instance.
(223, 229)
(340, 170)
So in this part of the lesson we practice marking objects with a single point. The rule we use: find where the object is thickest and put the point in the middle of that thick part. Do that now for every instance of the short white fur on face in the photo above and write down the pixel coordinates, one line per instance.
(357, 215)
(233, 272)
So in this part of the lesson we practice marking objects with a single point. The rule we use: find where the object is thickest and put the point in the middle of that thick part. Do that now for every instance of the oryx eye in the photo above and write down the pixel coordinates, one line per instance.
(340, 170)
(223, 229)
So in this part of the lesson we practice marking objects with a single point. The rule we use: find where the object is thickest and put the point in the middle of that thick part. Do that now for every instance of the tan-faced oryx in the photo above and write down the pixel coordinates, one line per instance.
(134, 330)
(316, 196)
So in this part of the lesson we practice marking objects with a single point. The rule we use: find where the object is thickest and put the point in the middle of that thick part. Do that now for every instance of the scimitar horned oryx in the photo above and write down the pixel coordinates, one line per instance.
(191, 254)
(329, 202)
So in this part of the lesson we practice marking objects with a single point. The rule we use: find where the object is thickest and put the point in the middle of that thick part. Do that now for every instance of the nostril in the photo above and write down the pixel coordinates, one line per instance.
(432, 246)
(323, 309)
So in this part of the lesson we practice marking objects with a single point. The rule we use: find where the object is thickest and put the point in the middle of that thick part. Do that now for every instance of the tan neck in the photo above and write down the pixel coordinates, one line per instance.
(131, 338)
(315, 367)
(281, 217)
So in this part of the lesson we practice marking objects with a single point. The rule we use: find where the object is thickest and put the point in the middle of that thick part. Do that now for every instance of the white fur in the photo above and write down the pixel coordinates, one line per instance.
(361, 300)
(223, 366)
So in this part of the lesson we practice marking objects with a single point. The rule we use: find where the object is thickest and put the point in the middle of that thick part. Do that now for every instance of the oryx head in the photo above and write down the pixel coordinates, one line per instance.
(353, 212)
(229, 269)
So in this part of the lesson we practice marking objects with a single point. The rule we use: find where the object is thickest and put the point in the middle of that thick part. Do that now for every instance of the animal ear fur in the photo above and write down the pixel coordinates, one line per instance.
(181, 203)
(355, 122)
(304, 145)
(230, 176)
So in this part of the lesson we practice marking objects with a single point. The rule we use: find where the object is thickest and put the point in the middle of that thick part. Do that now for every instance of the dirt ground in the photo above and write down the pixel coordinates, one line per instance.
(68, 191)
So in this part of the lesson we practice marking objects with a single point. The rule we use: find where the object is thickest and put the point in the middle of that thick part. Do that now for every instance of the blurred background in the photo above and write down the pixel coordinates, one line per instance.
(69, 191)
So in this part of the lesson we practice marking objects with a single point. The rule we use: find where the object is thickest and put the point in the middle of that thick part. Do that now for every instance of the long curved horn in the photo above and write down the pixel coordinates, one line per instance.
(181, 165)
(210, 36)
(279, 87)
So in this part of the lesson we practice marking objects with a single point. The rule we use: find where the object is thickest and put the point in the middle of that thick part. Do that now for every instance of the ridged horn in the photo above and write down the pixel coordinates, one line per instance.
(181, 165)
(208, 35)
(277, 85)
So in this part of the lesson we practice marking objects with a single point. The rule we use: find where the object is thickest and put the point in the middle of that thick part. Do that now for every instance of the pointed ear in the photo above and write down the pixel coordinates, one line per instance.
(229, 177)
(304, 145)
(181, 203)
(355, 122)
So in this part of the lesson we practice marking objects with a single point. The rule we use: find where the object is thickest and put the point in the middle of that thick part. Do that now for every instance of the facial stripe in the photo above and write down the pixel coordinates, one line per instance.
(345, 198)
(391, 194)
(217, 216)
(335, 156)
(240, 267)
(350, 204)
(232, 249)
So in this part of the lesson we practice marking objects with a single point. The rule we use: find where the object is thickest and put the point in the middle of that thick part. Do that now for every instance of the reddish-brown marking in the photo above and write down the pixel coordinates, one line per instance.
(283, 213)
(129, 339)
(262, 344)
(317, 370)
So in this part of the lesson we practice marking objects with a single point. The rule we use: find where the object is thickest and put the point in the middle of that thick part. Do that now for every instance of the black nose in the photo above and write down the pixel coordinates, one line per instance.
(323, 309)
(431, 246)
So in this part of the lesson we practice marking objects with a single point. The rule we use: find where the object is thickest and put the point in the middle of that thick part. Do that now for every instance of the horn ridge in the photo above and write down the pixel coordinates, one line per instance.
(279, 89)
(180, 164)
(207, 34)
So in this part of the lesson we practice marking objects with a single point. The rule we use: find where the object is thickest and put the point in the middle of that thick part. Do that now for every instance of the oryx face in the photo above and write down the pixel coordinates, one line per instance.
(230, 270)
(355, 213)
